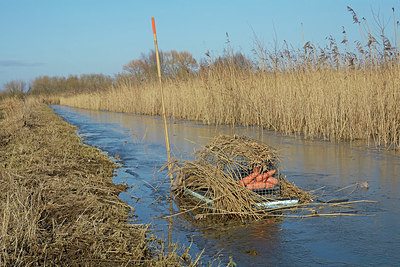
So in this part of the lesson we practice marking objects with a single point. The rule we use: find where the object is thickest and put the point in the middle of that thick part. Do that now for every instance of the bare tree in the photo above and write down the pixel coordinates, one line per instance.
(179, 64)
(15, 87)
(173, 64)
(145, 68)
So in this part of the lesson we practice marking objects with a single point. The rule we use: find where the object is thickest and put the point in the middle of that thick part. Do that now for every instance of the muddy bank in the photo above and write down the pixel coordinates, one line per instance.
(58, 204)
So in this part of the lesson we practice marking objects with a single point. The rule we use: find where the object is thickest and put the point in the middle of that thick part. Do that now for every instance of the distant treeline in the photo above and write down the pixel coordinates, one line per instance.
(174, 65)
(46, 85)
(71, 84)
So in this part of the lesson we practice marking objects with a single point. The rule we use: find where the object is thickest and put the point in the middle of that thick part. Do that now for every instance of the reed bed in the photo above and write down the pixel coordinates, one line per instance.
(344, 90)
(58, 204)
(336, 104)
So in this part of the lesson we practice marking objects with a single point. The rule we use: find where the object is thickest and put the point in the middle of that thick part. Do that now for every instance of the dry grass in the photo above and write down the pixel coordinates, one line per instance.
(58, 205)
(216, 172)
(343, 90)
(337, 104)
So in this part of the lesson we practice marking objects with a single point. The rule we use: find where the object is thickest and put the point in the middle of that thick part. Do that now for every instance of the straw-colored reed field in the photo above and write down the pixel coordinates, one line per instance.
(338, 104)
(341, 91)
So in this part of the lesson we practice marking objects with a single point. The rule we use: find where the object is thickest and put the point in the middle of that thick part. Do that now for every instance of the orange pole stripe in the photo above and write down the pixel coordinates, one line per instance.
(154, 25)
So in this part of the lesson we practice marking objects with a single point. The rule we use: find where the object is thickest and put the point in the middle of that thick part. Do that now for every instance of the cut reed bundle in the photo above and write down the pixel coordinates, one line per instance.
(216, 173)
(239, 149)
(209, 187)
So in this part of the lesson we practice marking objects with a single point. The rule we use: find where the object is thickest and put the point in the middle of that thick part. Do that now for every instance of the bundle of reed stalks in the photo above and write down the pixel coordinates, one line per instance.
(216, 173)
(242, 151)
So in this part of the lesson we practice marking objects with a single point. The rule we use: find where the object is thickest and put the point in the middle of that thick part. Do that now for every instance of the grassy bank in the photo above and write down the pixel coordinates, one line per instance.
(58, 205)
(316, 100)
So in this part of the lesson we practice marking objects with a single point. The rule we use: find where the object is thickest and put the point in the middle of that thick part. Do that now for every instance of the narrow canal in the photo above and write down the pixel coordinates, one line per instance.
(359, 240)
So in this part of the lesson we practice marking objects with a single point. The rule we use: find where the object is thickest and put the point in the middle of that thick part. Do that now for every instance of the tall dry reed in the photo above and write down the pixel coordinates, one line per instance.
(318, 102)
(334, 92)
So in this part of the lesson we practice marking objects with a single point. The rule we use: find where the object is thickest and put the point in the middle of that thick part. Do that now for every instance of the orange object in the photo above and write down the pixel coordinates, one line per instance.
(257, 185)
(260, 178)
(271, 182)
(264, 177)
(154, 25)
(259, 181)
(250, 178)
(263, 185)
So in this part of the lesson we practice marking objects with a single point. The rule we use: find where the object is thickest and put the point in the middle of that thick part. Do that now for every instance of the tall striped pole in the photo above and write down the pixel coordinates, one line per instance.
(162, 101)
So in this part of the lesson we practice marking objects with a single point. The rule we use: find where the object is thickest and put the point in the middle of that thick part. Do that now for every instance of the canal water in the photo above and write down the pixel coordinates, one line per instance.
(333, 241)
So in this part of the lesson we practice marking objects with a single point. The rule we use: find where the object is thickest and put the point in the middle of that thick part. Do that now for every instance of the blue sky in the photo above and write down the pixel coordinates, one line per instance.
(72, 37)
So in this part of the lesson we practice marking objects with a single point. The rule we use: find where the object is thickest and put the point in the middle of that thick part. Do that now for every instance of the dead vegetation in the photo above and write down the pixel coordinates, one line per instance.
(315, 101)
(216, 173)
(344, 90)
(58, 204)
(214, 177)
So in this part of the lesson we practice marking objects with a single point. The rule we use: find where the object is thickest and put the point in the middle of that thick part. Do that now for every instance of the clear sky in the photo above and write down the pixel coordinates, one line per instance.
(72, 37)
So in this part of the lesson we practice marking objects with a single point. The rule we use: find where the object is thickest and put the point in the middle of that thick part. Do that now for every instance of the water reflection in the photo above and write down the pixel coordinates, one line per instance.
(139, 142)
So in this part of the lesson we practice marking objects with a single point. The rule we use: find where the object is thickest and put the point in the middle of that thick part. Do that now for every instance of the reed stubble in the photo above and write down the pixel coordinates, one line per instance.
(58, 204)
